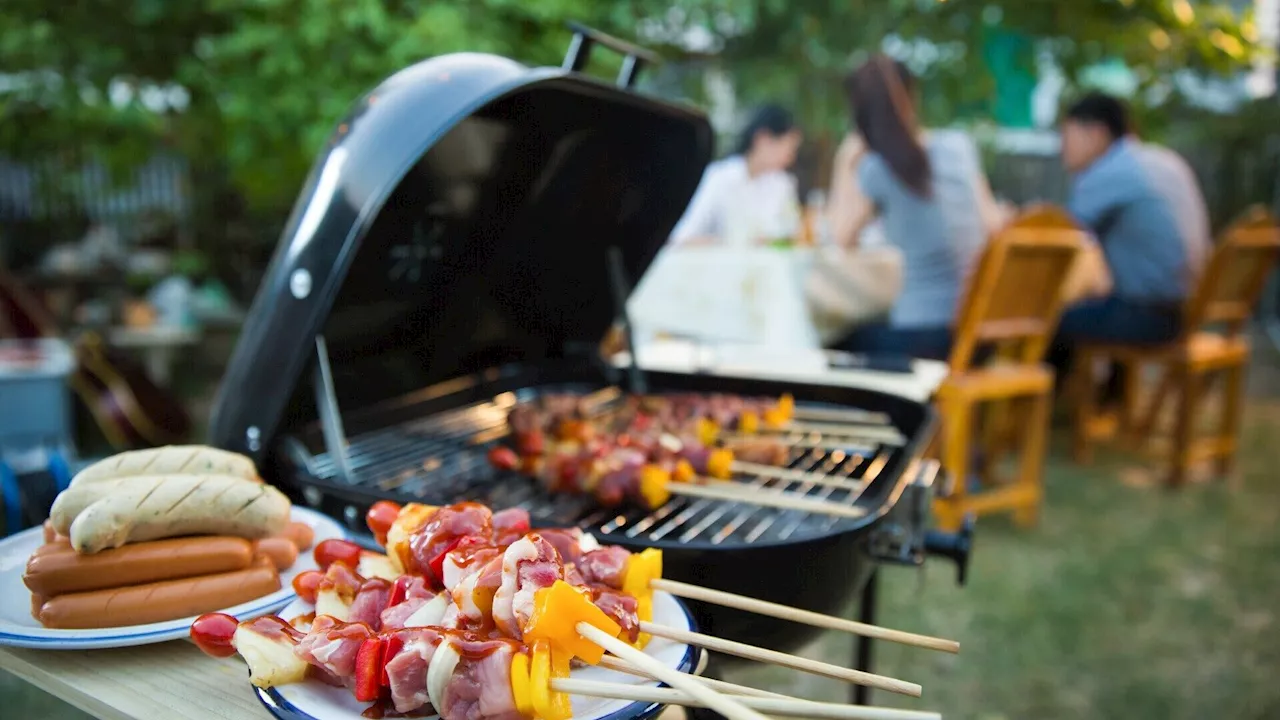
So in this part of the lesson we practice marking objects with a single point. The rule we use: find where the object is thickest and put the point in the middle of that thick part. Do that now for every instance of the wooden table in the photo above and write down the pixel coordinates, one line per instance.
(166, 680)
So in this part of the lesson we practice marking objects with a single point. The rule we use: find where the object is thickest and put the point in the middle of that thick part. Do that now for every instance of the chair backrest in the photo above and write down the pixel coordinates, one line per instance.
(1016, 294)
(1236, 274)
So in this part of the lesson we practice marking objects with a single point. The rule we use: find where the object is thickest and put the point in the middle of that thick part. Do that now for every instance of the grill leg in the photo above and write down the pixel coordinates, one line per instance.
(862, 645)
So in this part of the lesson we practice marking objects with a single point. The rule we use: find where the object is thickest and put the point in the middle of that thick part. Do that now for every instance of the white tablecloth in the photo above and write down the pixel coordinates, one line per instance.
(797, 364)
(728, 295)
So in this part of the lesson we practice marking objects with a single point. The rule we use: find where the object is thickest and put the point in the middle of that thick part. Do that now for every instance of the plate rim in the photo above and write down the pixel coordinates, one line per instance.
(102, 638)
(281, 708)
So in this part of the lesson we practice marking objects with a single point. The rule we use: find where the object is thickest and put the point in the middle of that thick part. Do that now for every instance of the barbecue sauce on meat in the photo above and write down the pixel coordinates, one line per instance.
(447, 525)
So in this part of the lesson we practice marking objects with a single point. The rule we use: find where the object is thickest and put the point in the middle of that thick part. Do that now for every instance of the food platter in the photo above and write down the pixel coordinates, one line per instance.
(19, 629)
(314, 700)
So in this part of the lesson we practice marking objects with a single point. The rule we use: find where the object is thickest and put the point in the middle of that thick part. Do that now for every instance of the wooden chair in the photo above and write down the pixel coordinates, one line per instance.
(1013, 306)
(1224, 297)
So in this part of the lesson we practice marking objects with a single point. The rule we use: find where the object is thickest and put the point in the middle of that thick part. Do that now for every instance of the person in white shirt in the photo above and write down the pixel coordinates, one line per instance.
(748, 198)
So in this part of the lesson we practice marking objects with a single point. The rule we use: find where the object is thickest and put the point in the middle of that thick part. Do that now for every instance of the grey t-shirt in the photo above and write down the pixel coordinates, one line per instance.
(939, 236)
(1125, 201)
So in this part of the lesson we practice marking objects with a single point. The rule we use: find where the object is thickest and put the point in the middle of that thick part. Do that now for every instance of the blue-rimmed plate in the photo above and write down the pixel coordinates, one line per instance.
(19, 629)
(313, 700)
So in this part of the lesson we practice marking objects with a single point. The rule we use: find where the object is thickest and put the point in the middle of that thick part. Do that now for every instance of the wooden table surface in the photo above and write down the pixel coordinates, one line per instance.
(165, 680)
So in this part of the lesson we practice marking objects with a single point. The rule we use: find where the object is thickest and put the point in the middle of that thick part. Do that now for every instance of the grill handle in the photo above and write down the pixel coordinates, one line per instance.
(634, 57)
(955, 546)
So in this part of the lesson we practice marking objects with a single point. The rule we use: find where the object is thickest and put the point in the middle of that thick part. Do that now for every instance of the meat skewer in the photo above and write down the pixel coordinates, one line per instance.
(459, 675)
(649, 475)
(632, 573)
(612, 568)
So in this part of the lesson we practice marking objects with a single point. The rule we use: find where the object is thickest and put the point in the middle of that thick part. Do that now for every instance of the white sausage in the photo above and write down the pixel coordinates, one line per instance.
(169, 460)
(151, 508)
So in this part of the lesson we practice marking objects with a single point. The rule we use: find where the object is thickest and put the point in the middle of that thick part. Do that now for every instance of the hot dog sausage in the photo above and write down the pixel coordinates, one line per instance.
(150, 508)
(301, 534)
(57, 569)
(160, 601)
(280, 550)
(37, 601)
(50, 534)
(169, 460)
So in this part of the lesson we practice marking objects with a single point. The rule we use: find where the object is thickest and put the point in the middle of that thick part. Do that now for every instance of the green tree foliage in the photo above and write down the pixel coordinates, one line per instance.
(262, 82)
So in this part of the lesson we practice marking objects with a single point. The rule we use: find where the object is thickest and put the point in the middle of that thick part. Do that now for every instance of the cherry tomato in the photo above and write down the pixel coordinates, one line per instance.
(307, 584)
(212, 633)
(503, 458)
(334, 550)
(380, 518)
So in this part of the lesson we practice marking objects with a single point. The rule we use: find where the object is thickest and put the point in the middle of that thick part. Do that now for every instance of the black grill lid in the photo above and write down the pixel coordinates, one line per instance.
(462, 216)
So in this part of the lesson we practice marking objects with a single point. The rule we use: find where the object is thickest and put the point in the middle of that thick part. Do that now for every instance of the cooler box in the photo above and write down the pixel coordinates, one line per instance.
(35, 406)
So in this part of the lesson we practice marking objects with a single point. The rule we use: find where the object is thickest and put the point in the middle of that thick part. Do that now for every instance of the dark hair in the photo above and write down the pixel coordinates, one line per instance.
(773, 119)
(1097, 108)
(880, 100)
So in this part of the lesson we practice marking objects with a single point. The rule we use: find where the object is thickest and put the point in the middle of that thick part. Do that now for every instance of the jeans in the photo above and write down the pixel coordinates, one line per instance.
(1113, 320)
(931, 343)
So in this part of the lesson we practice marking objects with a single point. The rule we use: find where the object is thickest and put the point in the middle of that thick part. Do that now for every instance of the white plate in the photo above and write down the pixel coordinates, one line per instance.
(19, 629)
(313, 700)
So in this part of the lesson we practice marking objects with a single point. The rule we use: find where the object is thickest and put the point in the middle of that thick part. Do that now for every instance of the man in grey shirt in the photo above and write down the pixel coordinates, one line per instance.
(1148, 216)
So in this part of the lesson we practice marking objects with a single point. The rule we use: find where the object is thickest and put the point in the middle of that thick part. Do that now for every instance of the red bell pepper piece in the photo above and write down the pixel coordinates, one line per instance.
(503, 458)
(370, 666)
(642, 422)
(399, 590)
(437, 562)
(394, 643)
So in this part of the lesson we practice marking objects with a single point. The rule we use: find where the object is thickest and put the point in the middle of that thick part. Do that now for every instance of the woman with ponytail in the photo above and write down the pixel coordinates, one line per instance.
(932, 201)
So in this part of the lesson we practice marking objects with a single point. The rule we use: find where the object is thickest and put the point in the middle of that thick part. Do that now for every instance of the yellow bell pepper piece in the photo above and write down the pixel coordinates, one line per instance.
(787, 405)
(653, 486)
(642, 569)
(775, 417)
(684, 472)
(546, 665)
(720, 464)
(708, 431)
(520, 689)
(748, 423)
(557, 610)
(644, 611)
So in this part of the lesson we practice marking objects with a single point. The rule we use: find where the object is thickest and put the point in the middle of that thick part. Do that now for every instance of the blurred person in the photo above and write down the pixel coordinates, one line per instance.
(748, 198)
(931, 201)
(1142, 204)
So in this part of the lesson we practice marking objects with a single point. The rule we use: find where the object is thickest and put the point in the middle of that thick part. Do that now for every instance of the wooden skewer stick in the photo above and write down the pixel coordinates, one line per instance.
(887, 433)
(806, 617)
(815, 478)
(839, 415)
(721, 490)
(787, 707)
(859, 446)
(731, 708)
(622, 666)
(751, 652)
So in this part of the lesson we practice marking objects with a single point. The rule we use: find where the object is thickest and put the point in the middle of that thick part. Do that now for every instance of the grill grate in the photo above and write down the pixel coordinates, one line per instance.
(442, 459)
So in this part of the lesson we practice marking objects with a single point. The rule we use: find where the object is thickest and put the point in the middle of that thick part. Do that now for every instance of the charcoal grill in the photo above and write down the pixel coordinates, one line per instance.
(467, 238)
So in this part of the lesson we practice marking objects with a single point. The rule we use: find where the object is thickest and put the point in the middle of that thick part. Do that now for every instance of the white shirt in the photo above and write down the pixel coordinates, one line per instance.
(739, 209)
